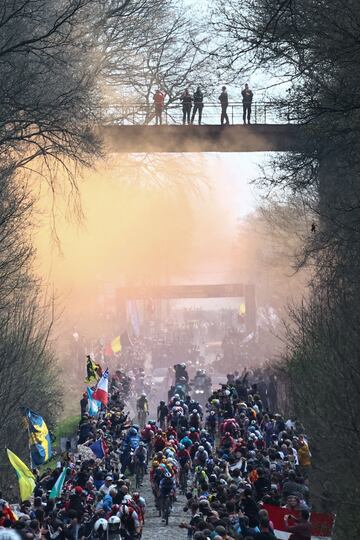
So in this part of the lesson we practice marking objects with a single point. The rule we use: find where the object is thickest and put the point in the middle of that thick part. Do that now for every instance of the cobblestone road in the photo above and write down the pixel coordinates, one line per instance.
(154, 529)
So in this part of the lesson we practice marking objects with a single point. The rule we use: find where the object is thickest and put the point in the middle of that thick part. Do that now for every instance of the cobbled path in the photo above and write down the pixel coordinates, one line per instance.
(156, 530)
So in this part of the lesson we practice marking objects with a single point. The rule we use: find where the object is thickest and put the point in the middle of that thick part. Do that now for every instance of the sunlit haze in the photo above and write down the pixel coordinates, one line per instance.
(137, 229)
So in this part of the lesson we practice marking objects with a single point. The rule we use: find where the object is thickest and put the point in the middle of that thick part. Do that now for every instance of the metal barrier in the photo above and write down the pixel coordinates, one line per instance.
(263, 112)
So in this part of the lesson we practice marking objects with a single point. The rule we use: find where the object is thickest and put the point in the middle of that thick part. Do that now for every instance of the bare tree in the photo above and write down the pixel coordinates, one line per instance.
(170, 53)
(53, 56)
(312, 48)
(48, 82)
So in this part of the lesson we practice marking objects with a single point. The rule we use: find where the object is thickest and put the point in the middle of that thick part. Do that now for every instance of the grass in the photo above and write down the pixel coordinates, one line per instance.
(66, 428)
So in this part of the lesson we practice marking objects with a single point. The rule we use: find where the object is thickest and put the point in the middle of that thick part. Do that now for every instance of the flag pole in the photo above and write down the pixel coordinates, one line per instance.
(29, 446)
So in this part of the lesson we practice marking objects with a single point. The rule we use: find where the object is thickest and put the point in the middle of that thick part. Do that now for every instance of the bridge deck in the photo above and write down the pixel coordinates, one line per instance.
(205, 138)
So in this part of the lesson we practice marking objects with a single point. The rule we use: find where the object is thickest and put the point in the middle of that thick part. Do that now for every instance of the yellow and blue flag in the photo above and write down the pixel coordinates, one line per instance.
(93, 371)
(25, 477)
(39, 438)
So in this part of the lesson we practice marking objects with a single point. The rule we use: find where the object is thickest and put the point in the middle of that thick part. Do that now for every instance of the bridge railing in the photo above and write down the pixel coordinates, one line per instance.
(262, 112)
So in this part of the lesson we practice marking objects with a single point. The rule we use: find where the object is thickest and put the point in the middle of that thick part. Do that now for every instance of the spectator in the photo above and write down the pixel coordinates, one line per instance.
(224, 102)
(247, 96)
(186, 100)
(265, 531)
(198, 105)
(300, 529)
(159, 98)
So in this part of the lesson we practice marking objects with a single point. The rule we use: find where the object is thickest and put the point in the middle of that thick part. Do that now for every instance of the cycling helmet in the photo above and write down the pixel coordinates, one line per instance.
(9, 534)
(168, 475)
(101, 525)
(143, 394)
(195, 411)
(114, 523)
(201, 449)
(181, 447)
(132, 431)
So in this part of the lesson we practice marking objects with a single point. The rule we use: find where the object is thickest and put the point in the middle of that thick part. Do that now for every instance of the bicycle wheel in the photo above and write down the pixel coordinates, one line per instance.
(167, 510)
(141, 475)
(137, 477)
(183, 481)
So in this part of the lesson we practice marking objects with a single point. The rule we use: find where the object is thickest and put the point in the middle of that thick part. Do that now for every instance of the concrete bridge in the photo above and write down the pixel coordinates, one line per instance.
(204, 138)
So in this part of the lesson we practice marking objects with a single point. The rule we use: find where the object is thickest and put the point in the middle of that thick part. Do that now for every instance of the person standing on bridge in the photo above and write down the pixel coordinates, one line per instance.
(198, 104)
(224, 102)
(186, 100)
(247, 96)
(159, 98)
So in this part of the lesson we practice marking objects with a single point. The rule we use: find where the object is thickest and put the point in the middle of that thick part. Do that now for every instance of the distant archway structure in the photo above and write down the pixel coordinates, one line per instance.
(168, 292)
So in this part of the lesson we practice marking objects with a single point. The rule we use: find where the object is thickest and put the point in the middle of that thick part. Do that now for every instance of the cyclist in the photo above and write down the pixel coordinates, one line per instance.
(211, 423)
(180, 372)
(167, 488)
(186, 441)
(130, 444)
(142, 407)
(140, 456)
(130, 523)
(195, 405)
(194, 419)
(176, 413)
(147, 433)
(141, 506)
(194, 435)
(184, 459)
(162, 412)
(201, 456)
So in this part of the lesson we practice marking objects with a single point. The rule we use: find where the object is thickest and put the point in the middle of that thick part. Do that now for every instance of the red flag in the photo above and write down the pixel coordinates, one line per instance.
(321, 523)
(101, 392)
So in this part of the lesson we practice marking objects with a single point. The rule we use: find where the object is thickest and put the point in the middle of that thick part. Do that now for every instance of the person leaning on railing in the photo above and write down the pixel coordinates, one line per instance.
(159, 98)
(186, 100)
(247, 96)
(198, 105)
(224, 102)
